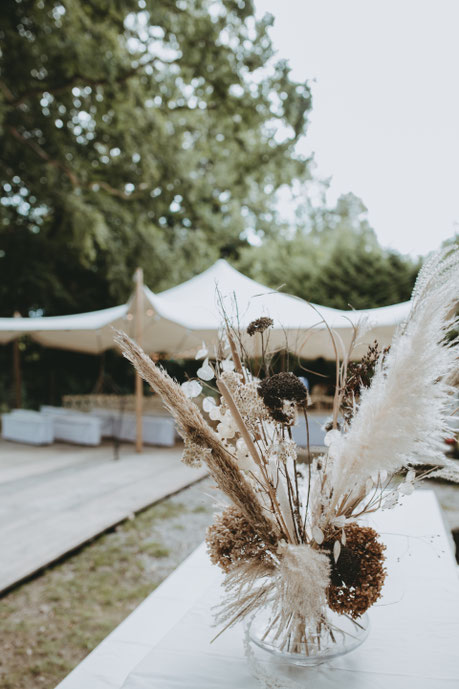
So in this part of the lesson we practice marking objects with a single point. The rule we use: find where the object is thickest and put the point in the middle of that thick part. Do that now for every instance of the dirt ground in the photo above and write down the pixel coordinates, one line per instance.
(49, 624)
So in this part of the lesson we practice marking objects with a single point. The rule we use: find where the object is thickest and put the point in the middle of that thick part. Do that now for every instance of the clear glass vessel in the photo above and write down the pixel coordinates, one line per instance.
(320, 644)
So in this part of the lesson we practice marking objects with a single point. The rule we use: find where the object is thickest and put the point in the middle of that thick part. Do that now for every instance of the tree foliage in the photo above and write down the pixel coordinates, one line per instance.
(136, 132)
(333, 259)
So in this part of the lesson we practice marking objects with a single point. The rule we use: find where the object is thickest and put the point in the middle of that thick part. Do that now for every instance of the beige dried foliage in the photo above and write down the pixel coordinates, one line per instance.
(194, 428)
(302, 580)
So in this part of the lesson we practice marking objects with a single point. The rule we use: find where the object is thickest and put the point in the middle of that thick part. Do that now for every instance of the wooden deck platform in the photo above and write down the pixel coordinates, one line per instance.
(53, 499)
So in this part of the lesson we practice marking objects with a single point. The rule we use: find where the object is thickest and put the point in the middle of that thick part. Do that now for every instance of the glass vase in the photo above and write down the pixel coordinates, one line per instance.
(316, 643)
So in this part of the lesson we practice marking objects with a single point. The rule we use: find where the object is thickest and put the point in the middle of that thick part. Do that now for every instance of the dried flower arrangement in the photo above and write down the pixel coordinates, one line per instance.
(290, 538)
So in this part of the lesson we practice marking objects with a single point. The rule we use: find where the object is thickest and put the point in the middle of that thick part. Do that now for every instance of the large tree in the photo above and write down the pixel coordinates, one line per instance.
(333, 258)
(151, 132)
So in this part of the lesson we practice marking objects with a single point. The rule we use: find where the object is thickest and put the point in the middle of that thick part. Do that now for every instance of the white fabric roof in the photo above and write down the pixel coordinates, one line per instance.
(197, 305)
(382, 323)
(82, 332)
(178, 320)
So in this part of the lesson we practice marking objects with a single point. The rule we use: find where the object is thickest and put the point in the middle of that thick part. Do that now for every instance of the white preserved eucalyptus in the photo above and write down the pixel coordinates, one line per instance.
(192, 388)
(206, 372)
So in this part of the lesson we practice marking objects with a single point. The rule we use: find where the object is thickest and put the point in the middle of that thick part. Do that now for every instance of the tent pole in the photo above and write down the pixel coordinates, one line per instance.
(17, 375)
(138, 337)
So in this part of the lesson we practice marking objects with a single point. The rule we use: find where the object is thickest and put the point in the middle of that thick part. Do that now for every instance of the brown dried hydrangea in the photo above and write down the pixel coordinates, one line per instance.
(231, 539)
(359, 376)
(358, 576)
(259, 325)
(280, 389)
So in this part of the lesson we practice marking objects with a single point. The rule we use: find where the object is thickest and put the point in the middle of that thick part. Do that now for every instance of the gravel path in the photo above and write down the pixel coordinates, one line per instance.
(182, 532)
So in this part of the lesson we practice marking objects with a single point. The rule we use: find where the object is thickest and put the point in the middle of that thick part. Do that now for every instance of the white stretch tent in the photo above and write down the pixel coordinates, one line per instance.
(178, 320)
(82, 332)
(198, 304)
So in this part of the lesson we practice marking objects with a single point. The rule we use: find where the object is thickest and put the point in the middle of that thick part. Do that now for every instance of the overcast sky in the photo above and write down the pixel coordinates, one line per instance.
(385, 119)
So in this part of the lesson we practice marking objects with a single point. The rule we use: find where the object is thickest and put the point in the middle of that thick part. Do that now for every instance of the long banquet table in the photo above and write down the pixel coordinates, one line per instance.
(413, 641)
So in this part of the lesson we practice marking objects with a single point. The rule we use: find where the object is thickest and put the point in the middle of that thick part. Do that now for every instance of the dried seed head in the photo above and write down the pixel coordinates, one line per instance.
(276, 390)
(359, 376)
(259, 325)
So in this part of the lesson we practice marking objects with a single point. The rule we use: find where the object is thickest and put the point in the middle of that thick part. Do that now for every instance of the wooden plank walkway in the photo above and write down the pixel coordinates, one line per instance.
(53, 499)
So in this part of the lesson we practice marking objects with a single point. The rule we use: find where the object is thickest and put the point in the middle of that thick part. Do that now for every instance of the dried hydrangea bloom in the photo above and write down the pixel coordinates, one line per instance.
(193, 454)
(232, 540)
(358, 575)
(259, 325)
(232, 380)
(247, 400)
(281, 393)
(227, 428)
(283, 451)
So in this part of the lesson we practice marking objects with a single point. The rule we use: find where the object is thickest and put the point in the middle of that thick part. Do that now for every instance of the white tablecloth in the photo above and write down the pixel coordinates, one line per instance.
(413, 641)
(156, 430)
